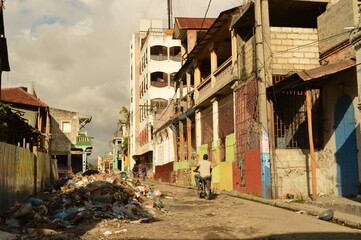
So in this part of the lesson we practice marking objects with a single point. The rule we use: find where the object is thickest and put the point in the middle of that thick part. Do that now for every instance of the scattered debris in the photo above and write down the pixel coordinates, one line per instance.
(84, 197)
(302, 212)
(326, 215)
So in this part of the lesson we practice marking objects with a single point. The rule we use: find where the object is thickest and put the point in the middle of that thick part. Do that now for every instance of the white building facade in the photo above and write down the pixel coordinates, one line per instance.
(155, 59)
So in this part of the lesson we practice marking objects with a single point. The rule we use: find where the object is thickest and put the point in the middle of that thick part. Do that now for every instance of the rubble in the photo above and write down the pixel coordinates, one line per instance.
(80, 198)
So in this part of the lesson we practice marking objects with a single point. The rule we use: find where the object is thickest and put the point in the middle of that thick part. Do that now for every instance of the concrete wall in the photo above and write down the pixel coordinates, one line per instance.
(293, 173)
(338, 15)
(293, 167)
(289, 52)
(344, 83)
(246, 62)
(60, 141)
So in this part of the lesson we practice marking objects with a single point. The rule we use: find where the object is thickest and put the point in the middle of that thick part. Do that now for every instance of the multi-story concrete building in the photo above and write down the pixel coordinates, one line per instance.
(155, 58)
(68, 145)
(275, 99)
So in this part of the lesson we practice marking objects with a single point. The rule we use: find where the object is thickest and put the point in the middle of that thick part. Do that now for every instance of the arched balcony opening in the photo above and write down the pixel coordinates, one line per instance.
(159, 79)
(158, 53)
(159, 104)
(175, 53)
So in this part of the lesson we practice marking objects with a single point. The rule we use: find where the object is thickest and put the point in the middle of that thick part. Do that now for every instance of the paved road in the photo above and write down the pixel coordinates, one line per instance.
(224, 217)
(185, 216)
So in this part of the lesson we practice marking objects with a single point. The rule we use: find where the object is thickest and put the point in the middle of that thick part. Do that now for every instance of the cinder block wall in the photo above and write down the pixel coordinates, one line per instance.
(293, 49)
(333, 21)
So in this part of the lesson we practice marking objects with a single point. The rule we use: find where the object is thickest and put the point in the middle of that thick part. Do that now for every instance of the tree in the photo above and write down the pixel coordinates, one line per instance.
(124, 112)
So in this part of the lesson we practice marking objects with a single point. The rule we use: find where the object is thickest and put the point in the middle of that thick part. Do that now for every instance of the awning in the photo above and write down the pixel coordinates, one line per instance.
(312, 77)
(183, 115)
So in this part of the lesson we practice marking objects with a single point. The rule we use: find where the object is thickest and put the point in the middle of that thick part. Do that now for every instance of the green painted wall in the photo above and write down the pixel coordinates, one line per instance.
(230, 143)
(31, 116)
(203, 149)
(180, 165)
(216, 177)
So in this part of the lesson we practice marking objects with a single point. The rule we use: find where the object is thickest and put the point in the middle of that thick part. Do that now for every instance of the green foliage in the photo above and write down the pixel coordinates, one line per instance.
(4, 111)
(92, 166)
(124, 112)
(125, 145)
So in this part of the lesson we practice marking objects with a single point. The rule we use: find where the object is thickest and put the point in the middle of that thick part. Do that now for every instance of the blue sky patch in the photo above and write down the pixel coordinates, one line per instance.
(46, 20)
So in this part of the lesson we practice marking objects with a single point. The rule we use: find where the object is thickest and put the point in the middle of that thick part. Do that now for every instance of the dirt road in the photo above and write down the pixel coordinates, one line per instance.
(185, 216)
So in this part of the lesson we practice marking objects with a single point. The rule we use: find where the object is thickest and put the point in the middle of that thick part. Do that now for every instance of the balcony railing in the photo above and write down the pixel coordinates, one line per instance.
(83, 141)
(224, 72)
(205, 85)
(159, 57)
(158, 84)
(175, 58)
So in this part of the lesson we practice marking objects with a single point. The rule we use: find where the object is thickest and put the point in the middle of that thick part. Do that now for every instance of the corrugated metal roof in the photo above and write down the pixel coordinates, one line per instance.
(324, 70)
(194, 23)
(19, 95)
(299, 79)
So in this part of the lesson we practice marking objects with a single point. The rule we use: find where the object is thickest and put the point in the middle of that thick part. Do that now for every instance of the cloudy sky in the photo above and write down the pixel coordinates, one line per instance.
(76, 52)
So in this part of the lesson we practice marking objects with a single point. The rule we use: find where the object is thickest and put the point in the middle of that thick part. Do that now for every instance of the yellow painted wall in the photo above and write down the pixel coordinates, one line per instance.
(226, 176)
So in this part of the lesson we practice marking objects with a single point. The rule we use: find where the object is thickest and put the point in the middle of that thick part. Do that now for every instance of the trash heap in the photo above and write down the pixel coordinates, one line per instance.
(80, 198)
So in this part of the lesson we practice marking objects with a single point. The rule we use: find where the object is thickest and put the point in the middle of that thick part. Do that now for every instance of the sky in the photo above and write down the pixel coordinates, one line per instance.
(75, 53)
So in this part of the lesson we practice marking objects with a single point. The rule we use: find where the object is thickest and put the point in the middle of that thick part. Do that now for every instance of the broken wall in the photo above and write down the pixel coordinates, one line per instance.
(293, 167)
(332, 23)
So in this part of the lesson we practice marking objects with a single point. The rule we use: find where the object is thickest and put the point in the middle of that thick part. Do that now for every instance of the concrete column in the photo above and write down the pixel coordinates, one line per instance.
(215, 119)
(262, 22)
(189, 77)
(69, 159)
(198, 129)
(234, 50)
(355, 39)
(189, 138)
(84, 162)
(214, 64)
(181, 141)
(197, 80)
(191, 39)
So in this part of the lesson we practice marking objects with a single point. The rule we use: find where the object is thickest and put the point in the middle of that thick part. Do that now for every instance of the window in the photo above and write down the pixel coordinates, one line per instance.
(66, 126)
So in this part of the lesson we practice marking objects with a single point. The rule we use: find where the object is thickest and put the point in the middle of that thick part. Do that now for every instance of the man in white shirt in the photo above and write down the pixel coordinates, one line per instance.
(205, 168)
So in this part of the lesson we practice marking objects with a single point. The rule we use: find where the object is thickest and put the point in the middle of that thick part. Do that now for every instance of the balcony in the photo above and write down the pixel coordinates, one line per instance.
(83, 141)
(223, 73)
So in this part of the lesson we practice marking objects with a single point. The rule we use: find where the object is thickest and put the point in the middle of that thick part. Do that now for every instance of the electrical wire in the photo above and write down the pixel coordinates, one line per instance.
(205, 15)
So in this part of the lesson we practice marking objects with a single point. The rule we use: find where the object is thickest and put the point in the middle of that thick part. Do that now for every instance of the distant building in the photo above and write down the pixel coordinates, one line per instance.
(68, 145)
(154, 59)
(34, 113)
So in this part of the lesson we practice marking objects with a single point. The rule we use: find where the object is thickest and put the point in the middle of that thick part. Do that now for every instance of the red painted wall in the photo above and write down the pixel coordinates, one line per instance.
(252, 165)
(163, 173)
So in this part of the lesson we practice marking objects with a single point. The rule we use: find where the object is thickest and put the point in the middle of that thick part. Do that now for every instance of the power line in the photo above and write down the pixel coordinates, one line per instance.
(205, 15)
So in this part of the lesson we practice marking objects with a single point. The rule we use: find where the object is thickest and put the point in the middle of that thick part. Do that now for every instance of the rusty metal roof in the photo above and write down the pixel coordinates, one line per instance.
(299, 79)
(194, 23)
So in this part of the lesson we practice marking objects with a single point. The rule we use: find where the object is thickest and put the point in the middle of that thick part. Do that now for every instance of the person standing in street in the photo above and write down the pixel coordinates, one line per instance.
(144, 171)
(135, 171)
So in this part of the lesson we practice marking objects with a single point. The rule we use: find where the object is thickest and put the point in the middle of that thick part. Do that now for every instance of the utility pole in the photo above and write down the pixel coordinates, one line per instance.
(4, 62)
(169, 3)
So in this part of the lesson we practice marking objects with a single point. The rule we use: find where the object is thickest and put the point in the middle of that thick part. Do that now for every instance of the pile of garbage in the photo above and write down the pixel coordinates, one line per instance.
(83, 197)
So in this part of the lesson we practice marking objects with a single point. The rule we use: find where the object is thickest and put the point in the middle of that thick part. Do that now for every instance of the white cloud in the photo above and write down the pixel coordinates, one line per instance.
(76, 54)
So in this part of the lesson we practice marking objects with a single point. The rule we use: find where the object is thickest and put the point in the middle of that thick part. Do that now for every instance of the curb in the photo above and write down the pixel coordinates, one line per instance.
(311, 209)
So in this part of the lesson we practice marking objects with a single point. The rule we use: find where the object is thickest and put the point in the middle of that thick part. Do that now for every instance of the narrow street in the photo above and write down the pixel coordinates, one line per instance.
(186, 216)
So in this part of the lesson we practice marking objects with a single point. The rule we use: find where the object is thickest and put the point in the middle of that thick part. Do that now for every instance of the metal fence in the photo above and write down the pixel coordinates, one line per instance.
(23, 173)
